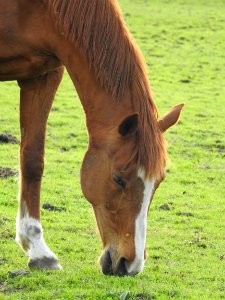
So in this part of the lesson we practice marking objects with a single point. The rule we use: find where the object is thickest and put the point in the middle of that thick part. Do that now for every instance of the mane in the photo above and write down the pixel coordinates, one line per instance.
(97, 28)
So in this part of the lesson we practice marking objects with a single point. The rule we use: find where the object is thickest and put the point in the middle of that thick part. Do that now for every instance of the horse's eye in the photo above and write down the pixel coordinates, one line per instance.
(119, 181)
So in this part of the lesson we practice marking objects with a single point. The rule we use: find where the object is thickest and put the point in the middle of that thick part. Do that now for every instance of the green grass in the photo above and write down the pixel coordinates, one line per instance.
(183, 43)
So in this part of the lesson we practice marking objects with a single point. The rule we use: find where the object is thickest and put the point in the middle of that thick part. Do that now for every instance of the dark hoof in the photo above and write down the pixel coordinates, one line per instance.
(44, 263)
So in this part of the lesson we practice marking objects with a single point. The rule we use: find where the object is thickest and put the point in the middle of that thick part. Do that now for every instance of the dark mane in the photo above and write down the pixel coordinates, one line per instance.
(97, 28)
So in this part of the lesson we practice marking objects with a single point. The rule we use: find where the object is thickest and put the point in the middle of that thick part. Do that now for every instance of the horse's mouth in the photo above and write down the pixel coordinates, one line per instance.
(106, 264)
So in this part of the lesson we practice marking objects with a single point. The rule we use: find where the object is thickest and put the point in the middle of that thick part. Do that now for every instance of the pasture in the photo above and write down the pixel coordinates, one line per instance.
(183, 43)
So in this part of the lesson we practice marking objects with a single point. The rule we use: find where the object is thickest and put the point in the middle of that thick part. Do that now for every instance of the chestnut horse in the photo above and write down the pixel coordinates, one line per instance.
(126, 156)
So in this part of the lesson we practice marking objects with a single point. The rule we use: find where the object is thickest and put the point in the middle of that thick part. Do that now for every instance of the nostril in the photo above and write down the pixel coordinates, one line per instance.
(121, 268)
(106, 263)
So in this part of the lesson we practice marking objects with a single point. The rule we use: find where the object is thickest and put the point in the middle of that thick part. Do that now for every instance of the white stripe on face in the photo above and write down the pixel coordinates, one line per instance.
(137, 265)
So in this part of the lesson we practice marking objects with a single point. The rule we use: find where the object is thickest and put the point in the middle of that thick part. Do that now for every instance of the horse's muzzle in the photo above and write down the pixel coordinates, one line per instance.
(106, 263)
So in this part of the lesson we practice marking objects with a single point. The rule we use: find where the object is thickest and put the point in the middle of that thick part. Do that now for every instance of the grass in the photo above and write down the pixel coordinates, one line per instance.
(183, 42)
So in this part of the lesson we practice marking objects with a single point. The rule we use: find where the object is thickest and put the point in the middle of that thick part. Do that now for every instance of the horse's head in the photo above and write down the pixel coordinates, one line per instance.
(121, 194)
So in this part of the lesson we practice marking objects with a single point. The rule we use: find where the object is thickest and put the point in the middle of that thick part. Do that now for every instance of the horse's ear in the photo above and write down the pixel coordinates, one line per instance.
(170, 118)
(129, 125)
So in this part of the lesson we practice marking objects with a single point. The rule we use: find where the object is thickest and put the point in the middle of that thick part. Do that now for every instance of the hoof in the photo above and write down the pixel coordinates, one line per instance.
(44, 263)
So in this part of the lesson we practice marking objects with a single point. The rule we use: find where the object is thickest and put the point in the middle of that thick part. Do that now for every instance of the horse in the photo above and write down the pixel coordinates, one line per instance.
(126, 156)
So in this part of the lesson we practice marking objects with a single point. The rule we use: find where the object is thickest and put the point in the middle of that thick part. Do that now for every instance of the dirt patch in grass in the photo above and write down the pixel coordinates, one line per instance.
(64, 149)
(185, 81)
(51, 207)
(185, 214)
(3, 260)
(156, 257)
(7, 172)
(18, 273)
(5, 289)
(7, 138)
(165, 206)
(144, 297)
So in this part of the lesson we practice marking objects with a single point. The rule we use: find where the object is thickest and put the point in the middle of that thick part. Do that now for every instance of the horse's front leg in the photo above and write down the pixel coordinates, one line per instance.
(36, 98)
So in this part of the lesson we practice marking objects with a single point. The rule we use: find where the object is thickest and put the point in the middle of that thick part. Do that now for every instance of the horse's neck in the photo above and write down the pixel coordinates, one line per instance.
(102, 111)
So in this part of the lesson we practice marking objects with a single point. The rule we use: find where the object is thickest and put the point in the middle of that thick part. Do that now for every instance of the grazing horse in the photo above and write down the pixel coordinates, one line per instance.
(126, 156)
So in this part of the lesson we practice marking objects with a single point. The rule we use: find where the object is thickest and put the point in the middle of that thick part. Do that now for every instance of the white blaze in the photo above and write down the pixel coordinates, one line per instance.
(141, 227)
